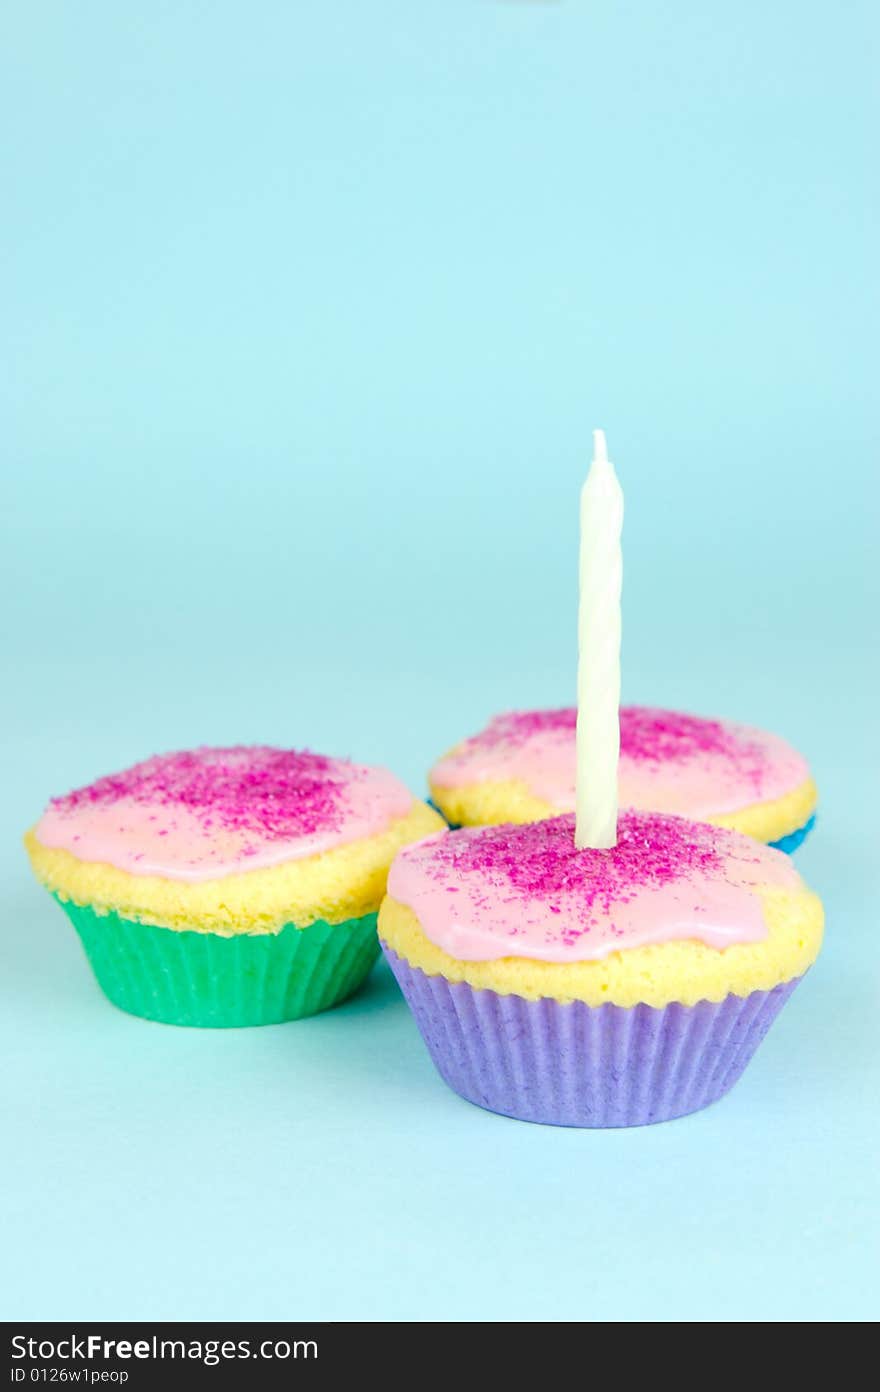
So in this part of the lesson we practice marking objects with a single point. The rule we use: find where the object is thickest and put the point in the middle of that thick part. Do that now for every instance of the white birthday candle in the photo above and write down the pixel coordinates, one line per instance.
(598, 716)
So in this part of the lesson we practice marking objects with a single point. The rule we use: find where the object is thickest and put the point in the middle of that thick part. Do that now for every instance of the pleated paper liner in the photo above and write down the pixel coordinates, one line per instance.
(788, 843)
(581, 1065)
(795, 838)
(203, 979)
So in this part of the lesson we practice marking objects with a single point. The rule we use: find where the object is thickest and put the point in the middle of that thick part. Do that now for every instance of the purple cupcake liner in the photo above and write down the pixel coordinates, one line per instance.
(581, 1065)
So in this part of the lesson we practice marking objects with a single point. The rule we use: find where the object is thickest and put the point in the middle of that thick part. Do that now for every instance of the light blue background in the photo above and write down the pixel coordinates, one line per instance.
(307, 315)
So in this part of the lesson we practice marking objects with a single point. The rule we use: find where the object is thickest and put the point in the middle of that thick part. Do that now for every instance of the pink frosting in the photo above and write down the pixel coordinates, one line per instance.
(525, 891)
(205, 813)
(669, 762)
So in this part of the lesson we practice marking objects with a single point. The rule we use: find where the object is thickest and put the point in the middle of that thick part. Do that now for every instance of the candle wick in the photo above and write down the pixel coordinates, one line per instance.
(600, 448)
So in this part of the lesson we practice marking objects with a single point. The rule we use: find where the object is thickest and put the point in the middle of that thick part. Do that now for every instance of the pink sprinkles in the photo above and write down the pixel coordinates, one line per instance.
(539, 860)
(647, 736)
(276, 794)
(669, 736)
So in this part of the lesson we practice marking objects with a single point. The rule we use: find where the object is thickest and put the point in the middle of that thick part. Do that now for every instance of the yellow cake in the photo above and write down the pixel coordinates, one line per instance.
(520, 768)
(228, 886)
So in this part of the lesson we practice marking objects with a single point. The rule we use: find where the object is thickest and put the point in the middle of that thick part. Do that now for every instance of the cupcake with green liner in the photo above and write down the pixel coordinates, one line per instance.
(223, 887)
(596, 987)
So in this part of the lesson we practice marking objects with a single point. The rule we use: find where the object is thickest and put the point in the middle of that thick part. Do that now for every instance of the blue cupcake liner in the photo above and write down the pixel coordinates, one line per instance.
(587, 1066)
(795, 838)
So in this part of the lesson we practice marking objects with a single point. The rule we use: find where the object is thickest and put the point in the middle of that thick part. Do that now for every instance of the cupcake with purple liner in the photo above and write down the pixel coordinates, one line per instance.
(596, 987)
(595, 969)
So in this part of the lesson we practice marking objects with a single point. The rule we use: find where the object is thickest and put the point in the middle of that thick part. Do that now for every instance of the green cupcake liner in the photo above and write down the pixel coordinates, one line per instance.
(203, 979)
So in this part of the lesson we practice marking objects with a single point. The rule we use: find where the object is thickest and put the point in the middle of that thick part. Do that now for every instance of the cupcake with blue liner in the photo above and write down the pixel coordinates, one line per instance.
(521, 768)
(596, 987)
(231, 886)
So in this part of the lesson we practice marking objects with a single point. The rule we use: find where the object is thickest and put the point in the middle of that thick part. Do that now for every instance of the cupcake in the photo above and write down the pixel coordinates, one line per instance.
(228, 886)
(596, 987)
(521, 768)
